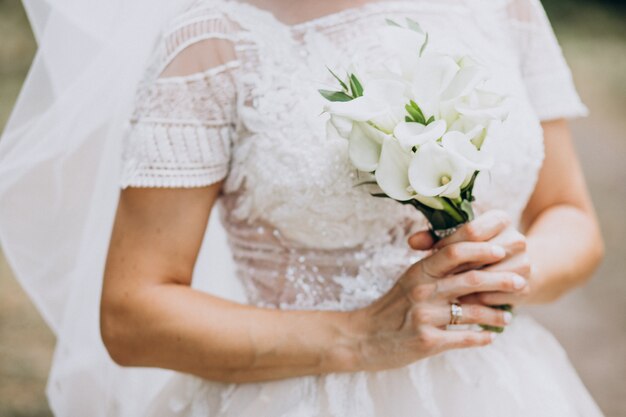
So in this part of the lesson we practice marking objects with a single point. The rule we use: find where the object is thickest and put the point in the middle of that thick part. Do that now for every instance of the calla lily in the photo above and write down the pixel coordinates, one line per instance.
(447, 112)
(461, 146)
(382, 103)
(434, 171)
(483, 104)
(342, 125)
(475, 129)
(464, 81)
(432, 75)
(468, 125)
(493, 129)
(411, 134)
(365, 146)
(391, 174)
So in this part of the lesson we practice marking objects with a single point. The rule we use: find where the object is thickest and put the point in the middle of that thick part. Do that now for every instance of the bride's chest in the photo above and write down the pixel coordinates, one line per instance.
(286, 171)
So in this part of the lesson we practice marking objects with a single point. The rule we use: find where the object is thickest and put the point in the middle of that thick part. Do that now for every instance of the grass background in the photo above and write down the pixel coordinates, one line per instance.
(590, 322)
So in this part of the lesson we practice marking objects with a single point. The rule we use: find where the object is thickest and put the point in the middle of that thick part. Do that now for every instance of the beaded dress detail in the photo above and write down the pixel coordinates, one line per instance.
(303, 236)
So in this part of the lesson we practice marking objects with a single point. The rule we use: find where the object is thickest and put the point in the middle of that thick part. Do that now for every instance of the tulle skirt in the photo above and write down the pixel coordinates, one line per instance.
(524, 373)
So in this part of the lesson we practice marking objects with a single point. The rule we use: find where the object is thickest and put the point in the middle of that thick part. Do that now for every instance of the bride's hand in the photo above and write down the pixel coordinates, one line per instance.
(481, 229)
(408, 323)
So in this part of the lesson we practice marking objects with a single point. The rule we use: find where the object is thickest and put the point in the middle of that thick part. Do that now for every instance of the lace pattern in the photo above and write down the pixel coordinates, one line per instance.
(181, 130)
(172, 142)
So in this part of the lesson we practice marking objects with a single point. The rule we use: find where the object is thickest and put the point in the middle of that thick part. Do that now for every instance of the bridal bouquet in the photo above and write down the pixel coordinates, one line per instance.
(419, 125)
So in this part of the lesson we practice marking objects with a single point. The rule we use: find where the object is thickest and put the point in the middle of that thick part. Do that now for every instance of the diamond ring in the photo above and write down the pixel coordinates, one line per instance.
(456, 313)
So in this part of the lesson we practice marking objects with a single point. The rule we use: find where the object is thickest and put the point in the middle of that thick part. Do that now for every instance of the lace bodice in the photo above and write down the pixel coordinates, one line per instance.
(301, 233)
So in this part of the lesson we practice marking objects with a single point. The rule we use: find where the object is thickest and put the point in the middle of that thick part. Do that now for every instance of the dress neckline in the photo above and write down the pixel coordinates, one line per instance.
(333, 16)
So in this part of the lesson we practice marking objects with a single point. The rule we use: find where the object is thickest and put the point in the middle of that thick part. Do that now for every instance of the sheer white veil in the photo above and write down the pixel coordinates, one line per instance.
(59, 187)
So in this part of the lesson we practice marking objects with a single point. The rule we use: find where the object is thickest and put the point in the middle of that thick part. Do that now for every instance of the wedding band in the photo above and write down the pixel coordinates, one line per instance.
(456, 313)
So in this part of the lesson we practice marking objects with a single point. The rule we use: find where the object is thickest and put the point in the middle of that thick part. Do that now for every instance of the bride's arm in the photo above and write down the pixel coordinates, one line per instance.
(151, 317)
(563, 236)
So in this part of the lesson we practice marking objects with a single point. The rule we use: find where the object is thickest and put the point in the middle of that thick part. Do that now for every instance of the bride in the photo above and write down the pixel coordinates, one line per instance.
(347, 298)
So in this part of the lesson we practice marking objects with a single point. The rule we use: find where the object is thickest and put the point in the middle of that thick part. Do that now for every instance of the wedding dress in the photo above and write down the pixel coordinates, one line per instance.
(303, 236)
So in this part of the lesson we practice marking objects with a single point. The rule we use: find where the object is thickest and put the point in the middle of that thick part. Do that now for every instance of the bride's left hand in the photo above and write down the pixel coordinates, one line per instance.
(483, 229)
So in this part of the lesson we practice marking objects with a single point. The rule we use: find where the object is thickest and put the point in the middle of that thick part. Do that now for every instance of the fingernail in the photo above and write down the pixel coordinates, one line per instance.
(519, 282)
(498, 251)
(508, 317)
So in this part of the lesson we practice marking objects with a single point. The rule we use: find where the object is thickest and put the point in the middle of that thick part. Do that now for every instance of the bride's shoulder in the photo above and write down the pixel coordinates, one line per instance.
(202, 31)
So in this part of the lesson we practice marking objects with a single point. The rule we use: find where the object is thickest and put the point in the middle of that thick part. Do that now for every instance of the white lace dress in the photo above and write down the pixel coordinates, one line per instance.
(302, 236)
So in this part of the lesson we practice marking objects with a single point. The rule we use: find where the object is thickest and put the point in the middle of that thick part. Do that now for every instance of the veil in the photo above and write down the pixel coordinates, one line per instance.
(59, 187)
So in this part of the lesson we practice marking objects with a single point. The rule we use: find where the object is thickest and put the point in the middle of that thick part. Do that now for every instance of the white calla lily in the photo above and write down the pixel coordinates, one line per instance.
(434, 171)
(411, 134)
(365, 146)
(469, 125)
(461, 146)
(432, 76)
(392, 172)
(361, 109)
(382, 103)
(474, 128)
(482, 104)
(464, 81)
(342, 125)
(447, 112)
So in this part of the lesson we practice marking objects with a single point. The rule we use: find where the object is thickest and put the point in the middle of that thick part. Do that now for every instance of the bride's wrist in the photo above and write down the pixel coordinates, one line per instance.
(343, 353)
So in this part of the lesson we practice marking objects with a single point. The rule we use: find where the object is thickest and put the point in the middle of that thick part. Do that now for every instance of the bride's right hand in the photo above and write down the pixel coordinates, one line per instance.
(409, 322)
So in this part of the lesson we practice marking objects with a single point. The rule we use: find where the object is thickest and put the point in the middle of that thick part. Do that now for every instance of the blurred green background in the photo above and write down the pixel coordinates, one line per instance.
(590, 322)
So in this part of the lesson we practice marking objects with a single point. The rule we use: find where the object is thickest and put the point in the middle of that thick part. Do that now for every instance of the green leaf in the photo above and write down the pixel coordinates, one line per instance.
(423, 48)
(430, 120)
(413, 25)
(392, 23)
(416, 114)
(343, 84)
(409, 119)
(355, 86)
(417, 107)
(420, 118)
(335, 95)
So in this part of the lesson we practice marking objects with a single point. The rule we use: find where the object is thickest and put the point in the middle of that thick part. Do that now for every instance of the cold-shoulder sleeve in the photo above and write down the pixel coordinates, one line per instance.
(547, 76)
(182, 126)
